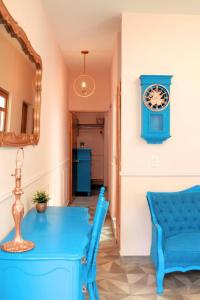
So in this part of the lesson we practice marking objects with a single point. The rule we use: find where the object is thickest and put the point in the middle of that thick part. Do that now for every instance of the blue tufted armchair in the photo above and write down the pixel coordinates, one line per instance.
(175, 232)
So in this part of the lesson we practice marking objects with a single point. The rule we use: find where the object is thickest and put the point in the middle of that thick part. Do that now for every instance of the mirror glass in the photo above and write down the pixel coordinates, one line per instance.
(20, 85)
(17, 86)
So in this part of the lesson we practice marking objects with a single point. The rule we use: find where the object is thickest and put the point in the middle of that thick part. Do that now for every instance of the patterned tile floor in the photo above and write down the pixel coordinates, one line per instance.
(133, 278)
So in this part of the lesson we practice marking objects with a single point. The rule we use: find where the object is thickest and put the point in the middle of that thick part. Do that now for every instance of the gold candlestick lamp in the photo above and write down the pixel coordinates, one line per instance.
(18, 244)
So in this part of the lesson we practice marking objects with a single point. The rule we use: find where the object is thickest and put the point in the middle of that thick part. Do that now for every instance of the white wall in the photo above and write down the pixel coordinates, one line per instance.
(45, 165)
(157, 44)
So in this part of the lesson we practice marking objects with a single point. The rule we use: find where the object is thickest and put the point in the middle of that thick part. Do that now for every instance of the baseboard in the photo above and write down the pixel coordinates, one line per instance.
(67, 203)
(139, 257)
(114, 227)
(97, 182)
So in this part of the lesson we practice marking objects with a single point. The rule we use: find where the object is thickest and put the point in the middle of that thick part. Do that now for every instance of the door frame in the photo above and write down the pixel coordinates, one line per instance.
(70, 126)
(118, 157)
(69, 194)
(70, 145)
(118, 163)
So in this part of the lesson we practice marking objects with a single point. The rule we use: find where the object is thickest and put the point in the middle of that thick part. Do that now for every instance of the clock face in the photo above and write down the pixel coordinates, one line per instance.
(156, 97)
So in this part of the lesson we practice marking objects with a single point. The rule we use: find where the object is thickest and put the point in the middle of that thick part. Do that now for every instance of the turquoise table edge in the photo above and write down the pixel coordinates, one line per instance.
(34, 224)
(55, 268)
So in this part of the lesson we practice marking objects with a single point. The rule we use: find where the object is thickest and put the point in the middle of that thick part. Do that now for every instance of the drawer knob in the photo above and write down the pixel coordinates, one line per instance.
(84, 260)
(84, 289)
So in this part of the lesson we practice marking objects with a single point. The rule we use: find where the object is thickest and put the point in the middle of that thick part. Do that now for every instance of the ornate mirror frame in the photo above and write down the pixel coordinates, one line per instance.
(9, 138)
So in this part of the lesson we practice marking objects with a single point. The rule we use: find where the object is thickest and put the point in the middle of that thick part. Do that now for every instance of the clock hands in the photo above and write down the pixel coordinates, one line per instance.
(156, 97)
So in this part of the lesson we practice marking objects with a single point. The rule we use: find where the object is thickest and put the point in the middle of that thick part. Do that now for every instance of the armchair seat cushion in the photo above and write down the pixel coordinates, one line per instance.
(182, 250)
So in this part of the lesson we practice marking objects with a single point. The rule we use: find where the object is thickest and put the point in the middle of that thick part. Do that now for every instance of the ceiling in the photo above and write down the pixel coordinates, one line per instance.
(93, 24)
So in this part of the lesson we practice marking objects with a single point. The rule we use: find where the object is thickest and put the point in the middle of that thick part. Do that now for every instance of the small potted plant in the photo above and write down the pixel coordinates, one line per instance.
(41, 198)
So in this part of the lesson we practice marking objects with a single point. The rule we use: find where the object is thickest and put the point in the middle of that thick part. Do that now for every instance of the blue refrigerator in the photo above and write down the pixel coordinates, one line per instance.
(82, 170)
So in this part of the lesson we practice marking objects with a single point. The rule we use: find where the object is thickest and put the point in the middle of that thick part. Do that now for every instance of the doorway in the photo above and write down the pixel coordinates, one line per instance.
(89, 152)
(99, 132)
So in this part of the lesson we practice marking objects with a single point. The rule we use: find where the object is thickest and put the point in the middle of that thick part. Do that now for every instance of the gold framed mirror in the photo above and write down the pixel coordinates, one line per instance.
(20, 85)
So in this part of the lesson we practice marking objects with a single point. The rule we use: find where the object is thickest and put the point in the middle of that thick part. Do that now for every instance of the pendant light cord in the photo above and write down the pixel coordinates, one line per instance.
(84, 85)
(84, 52)
(84, 64)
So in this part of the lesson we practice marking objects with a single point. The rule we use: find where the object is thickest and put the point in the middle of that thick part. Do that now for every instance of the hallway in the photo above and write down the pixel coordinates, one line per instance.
(133, 278)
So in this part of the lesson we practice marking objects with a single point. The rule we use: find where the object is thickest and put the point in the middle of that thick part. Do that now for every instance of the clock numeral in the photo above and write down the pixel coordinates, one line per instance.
(156, 97)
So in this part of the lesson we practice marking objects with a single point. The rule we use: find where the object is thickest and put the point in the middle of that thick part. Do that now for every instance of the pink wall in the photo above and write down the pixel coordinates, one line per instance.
(45, 165)
(99, 101)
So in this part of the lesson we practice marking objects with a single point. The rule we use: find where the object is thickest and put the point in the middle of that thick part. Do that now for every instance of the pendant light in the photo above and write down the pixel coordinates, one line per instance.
(84, 85)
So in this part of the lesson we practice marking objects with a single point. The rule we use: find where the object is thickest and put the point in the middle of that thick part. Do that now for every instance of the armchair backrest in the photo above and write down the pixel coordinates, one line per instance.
(100, 215)
(176, 212)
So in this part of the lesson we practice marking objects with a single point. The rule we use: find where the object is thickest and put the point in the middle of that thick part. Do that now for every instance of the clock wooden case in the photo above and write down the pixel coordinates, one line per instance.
(155, 92)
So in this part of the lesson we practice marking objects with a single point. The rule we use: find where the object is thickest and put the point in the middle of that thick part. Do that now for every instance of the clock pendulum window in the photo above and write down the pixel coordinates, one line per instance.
(155, 91)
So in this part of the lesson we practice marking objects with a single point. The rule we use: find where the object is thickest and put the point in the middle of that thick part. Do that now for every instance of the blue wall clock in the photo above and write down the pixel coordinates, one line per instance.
(155, 108)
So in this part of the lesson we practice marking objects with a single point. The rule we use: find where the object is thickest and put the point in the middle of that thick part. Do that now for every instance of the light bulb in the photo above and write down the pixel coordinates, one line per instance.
(83, 84)
(83, 87)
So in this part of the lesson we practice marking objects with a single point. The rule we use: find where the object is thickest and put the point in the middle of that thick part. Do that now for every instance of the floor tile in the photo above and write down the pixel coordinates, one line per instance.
(133, 278)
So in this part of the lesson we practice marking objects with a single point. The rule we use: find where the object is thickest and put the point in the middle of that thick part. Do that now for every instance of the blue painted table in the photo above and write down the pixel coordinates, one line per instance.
(54, 269)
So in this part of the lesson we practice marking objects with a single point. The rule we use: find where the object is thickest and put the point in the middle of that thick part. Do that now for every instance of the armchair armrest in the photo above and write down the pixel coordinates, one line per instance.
(157, 246)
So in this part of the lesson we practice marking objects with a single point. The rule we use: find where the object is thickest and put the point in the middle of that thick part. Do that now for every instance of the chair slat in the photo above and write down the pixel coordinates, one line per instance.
(99, 218)
(100, 215)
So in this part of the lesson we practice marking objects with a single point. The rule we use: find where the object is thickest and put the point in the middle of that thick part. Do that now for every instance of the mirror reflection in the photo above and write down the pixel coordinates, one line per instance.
(17, 86)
